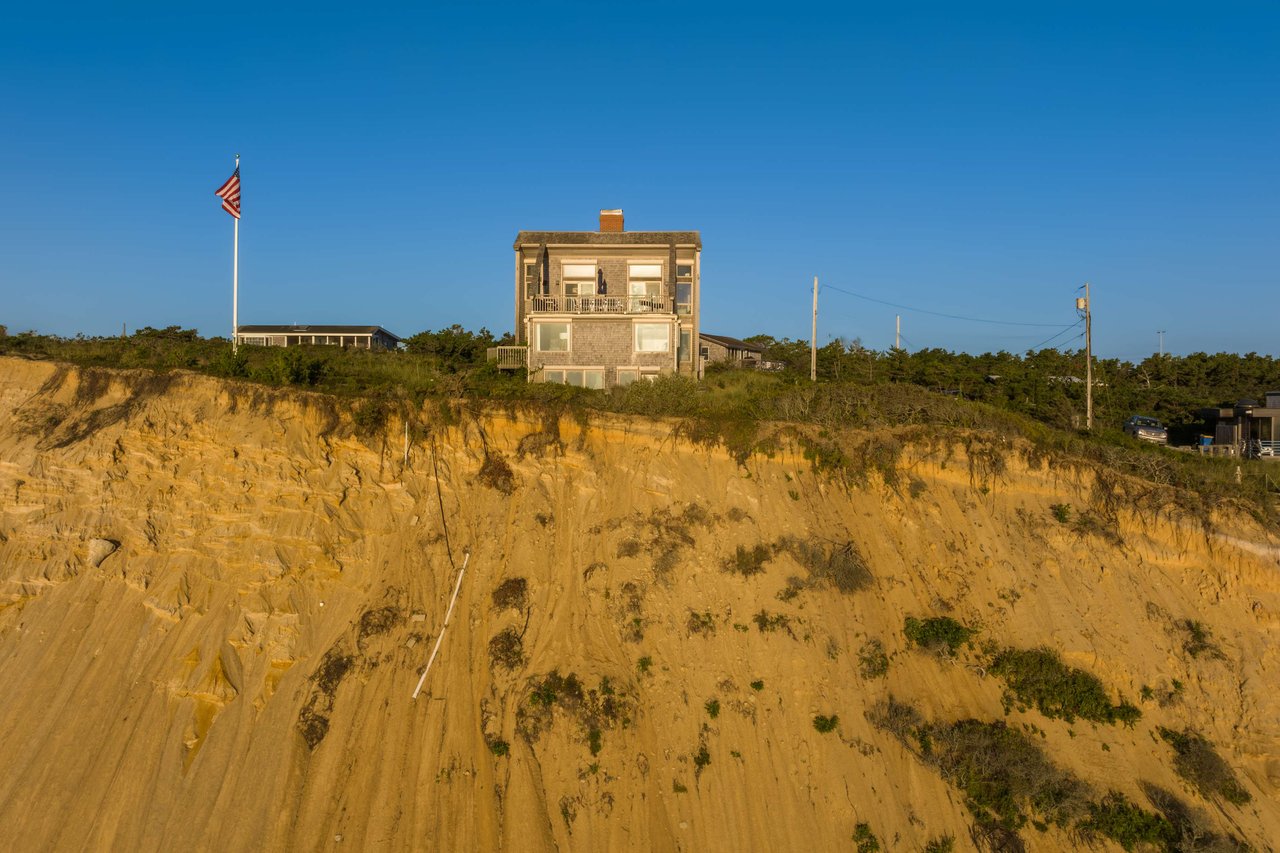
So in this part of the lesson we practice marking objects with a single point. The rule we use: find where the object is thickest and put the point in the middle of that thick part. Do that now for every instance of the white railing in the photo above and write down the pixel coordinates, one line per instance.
(599, 305)
(1250, 450)
(1258, 449)
(509, 358)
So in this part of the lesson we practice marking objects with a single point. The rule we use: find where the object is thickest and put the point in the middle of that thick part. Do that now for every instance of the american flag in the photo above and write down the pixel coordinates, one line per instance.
(230, 194)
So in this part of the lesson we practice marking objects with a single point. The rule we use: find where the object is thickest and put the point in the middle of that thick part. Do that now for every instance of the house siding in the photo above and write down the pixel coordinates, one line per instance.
(608, 343)
(715, 351)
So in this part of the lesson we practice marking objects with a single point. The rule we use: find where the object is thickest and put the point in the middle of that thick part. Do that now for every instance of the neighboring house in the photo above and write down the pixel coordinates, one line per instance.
(714, 348)
(604, 308)
(359, 337)
(1247, 427)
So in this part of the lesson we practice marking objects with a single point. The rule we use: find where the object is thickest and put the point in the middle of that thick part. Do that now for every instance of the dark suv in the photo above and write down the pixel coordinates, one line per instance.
(1146, 429)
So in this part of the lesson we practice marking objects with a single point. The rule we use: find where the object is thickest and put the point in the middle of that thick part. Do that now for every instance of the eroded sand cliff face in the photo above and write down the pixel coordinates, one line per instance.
(237, 674)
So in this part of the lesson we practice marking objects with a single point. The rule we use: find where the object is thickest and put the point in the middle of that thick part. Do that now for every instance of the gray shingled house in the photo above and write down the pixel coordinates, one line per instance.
(604, 308)
(714, 348)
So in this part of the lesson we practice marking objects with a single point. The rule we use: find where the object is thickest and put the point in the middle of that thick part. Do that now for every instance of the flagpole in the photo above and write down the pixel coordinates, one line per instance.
(235, 280)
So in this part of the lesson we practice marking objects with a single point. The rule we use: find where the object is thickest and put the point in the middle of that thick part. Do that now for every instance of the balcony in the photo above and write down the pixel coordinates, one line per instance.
(508, 358)
(602, 305)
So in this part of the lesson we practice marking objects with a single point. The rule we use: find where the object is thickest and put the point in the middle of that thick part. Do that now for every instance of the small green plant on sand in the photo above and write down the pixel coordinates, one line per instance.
(866, 839)
(826, 724)
(941, 635)
(941, 844)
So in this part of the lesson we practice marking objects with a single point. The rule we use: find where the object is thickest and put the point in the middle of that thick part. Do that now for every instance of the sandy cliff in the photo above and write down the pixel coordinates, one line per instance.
(216, 601)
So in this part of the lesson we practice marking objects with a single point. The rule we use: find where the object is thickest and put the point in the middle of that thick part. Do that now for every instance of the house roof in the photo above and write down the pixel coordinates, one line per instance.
(731, 343)
(610, 238)
(315, 330)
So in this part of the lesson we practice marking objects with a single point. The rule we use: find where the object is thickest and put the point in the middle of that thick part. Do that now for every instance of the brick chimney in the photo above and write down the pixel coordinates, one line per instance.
(610, 220)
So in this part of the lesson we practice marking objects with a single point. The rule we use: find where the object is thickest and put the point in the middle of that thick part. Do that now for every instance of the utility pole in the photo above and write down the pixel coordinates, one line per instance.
(897, 332)
(1082, 304)
(813, 338)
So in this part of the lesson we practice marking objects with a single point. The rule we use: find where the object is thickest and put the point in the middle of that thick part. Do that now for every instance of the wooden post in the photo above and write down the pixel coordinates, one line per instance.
(813, 338)
(1088, 355)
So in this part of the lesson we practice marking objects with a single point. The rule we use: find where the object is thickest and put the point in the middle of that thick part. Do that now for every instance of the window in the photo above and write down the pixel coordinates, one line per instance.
(686, 346)
(531, 279)
(579, 280)
(578, 377)
(684, 288)
(552, 337)
(653, 337)
(628, 375)
(645, 279)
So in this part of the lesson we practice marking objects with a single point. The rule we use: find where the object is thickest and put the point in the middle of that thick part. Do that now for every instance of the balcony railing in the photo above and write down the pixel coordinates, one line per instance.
(508, 358)
(600, 305)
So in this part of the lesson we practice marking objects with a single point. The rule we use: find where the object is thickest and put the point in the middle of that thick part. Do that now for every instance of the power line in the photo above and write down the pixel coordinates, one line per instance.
(939, 313)
(1075, 325)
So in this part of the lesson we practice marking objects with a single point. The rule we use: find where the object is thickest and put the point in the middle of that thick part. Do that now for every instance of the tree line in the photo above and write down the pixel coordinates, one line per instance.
(1046, 384)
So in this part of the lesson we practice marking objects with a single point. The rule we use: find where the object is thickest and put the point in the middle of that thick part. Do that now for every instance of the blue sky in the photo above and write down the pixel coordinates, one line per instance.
(982, 160)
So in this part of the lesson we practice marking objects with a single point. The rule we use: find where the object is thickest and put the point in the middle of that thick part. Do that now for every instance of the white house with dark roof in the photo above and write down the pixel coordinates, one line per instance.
(356, 337)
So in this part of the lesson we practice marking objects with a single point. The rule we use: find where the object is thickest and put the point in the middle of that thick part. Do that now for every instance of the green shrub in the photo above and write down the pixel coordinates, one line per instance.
(1197, 640)
(297, 366)
(1061, 512)
(499, 747)
(1004, 775)
(866, 839)
(370, 415)
(644, 664)
(941, 844)
(713, 708)
(1002, 772)
(826, 724)
(757, 685)
(554, 697)
(1198, 762)
(766, 621)
(1127, 825)
(1039, 677)
(747, 562)
(940, 634)
(701, 623)
(555, 687)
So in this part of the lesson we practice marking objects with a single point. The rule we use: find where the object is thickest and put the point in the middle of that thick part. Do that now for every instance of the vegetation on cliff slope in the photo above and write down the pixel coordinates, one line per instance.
(1003, 395)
